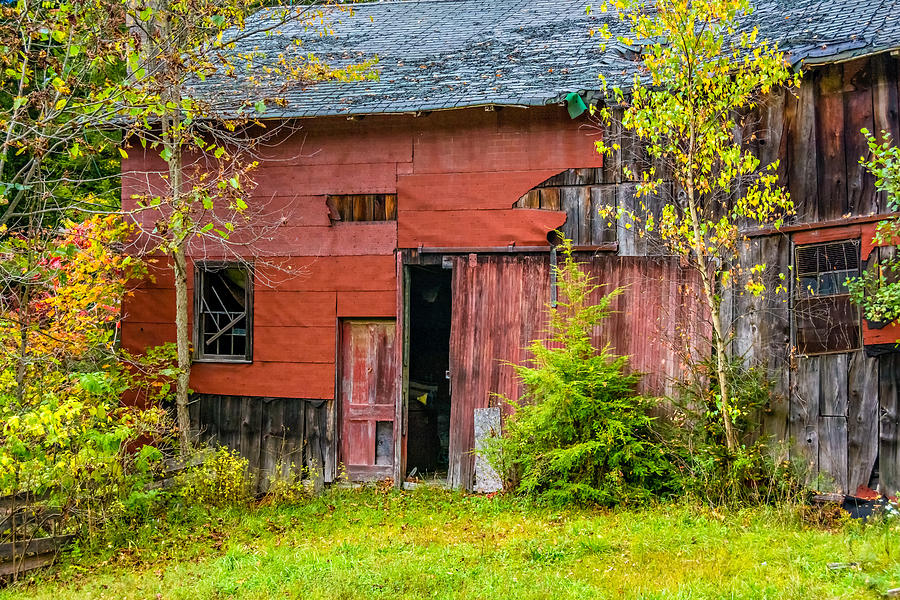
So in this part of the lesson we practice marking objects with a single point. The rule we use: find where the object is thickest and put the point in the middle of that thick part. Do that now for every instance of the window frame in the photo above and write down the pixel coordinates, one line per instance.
(200, 268)
(798, 294)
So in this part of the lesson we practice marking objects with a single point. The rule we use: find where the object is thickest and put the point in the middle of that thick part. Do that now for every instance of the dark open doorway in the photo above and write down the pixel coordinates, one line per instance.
(428, 415)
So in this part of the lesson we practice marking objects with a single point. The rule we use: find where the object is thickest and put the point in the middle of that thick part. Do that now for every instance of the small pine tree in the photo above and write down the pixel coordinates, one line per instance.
(580, 434)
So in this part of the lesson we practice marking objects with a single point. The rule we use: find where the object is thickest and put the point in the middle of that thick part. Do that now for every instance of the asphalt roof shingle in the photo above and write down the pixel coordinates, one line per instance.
(440, 54)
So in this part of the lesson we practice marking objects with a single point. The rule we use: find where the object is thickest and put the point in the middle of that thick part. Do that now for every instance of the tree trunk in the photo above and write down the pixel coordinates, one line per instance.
(22, 369)
(712, 303)
(183, 346)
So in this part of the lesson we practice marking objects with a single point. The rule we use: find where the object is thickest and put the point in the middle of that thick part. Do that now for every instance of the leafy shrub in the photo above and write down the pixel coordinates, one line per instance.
(65, 433)
(758, 470)
(581, 433)
(877, 290)
(222, 479)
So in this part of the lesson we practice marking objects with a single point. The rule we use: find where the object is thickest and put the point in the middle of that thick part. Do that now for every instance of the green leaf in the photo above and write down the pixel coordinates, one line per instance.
(123, 153)
(260, 106)
(166, 154)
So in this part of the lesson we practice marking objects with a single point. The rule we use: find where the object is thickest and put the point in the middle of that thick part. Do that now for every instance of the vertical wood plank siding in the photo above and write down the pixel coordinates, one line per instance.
(842, 410)
(269, 432)
(499, 308)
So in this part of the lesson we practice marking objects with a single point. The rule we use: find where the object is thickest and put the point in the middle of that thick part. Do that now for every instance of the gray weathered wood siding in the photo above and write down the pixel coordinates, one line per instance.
(839, 410)
(271, 433)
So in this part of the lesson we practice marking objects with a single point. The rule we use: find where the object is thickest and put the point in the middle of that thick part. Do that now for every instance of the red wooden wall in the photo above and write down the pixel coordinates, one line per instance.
(499, 308)
(457, 175)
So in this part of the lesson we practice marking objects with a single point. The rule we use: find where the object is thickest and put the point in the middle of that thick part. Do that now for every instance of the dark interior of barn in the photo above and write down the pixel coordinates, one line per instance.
(428, 438)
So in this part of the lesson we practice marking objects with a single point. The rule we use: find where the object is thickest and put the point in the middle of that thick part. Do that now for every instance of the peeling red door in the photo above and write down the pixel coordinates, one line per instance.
(369, 379)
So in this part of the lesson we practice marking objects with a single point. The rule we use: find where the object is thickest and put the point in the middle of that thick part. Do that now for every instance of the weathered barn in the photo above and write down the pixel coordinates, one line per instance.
(411, 254)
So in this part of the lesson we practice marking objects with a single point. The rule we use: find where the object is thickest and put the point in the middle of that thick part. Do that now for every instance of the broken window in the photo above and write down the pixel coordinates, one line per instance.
(223, 312)
(362, 207)
(824, 318)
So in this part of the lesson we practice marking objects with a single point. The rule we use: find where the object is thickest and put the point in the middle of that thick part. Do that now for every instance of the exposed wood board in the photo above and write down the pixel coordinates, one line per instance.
(889, 422)
(770, 346)
(833, 369)
(587, 176)
(862, 420)
(401, 348)
(833, 454)
(390, 207)
(251, 431)
(611, 172)
(770, 135)
(210, 418)
(630, 243)
(327, 427)
(858, 113)
(885, 104)
(830, 143)
(804, 415)
(549, 199)
(230, 420)
(42, 545)
(802, 168)
(569, 201)
(294, 435)
(603, 229)
(531, 199)
(315, 451)
(272, 442)
(28, 563)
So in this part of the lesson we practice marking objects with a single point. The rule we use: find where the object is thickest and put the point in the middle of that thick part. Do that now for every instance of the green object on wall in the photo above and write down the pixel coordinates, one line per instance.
(575, 104)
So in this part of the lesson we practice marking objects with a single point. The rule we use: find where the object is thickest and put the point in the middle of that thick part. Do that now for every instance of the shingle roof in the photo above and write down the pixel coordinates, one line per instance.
(440, 54)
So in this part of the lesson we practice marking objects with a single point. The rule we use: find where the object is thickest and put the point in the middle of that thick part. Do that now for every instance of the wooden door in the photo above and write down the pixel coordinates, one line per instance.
(368, 393)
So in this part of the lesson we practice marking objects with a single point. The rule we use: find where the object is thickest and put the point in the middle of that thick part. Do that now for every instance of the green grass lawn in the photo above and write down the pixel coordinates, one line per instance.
(438, 544)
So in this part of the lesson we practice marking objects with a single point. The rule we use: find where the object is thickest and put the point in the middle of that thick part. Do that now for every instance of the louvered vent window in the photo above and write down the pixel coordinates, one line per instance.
(824, 318)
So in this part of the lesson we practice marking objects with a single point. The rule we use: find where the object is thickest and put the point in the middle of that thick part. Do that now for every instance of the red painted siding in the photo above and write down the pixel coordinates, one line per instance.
(457, 175)
(499, 309)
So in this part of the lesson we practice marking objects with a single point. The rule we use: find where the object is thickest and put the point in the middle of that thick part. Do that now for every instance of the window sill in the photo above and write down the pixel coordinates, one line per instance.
(227, 361)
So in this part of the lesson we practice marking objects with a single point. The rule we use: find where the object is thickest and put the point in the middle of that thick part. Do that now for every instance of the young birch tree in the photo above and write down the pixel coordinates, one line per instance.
(210, 142)
(698, 71)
